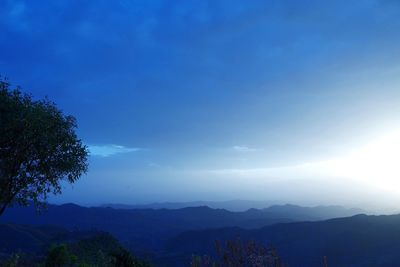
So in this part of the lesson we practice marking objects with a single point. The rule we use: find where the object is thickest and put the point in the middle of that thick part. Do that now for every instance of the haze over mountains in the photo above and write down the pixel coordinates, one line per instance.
(236, 205)
(231, 205)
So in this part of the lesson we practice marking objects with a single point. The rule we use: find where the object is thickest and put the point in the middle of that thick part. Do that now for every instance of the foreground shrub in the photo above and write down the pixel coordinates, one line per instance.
(236, 253)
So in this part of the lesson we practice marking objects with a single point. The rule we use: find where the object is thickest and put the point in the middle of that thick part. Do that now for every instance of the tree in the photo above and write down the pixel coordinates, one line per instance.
(58, 256)
(123, 258)
(39, 149)
(239, 254)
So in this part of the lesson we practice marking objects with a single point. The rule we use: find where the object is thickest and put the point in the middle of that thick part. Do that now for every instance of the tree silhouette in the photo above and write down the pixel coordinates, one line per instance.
(239, 254)
(38, 149)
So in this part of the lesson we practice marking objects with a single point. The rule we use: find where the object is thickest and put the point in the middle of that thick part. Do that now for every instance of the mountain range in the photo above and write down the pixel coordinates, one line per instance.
(233, 205)
(149, 229)
(230, 205)
(169, 237)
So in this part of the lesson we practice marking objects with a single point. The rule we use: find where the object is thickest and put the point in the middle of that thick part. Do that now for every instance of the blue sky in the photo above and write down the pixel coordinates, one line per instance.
(186, 100)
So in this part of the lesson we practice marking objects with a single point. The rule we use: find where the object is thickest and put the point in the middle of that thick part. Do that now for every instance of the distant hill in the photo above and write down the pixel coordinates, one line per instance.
(357, 241)
(231, 205)
(244, 205)
(146, 230)
(314, 213)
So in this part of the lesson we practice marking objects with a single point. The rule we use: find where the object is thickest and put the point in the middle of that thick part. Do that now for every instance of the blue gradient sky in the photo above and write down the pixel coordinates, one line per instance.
(219, 99)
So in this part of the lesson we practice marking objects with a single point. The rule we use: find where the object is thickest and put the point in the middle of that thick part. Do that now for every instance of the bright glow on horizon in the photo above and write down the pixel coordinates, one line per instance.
(376, 164)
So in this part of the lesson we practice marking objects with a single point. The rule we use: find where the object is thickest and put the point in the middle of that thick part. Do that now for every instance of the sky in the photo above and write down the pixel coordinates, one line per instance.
(181, 100)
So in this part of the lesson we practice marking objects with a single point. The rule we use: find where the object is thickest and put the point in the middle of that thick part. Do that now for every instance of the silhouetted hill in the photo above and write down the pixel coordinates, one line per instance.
(357, 241)
(146, 230)
(34, 243)
(16, 238)
(25, 238)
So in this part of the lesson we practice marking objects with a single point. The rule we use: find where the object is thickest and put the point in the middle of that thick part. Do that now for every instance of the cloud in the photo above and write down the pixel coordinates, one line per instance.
(282, 172)
(244, 149)
(110, 150)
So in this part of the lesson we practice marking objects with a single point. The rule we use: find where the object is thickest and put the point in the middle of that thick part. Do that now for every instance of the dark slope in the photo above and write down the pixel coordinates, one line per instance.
(355, 241)
(37, 239)
(33, 243)
(24, 238)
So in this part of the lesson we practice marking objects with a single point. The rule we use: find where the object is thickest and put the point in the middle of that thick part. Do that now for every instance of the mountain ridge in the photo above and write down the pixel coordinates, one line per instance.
(150, 229)
(230, 205)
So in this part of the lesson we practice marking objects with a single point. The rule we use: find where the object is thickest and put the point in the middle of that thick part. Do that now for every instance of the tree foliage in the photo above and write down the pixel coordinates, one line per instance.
(58, 256)
(39, 148)
(239, 254)
(102, 250)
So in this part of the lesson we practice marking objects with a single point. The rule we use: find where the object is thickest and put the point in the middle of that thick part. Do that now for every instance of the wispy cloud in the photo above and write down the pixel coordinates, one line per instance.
(262, 172)
(245, 149)
(110, 150)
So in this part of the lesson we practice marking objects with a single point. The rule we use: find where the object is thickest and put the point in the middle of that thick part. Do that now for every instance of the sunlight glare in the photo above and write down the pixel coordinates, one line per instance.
(377, 164)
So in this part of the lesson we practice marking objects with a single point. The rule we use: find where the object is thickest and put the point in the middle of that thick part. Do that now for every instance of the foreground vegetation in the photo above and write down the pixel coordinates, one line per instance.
(101, 250)
(239, 254)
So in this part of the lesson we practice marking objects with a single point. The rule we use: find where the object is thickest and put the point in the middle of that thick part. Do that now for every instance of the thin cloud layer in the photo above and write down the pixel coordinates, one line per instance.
(245, 149)
(110, 150)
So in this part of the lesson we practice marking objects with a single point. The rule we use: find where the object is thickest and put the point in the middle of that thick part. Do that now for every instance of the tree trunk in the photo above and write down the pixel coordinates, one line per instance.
(3, 208)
